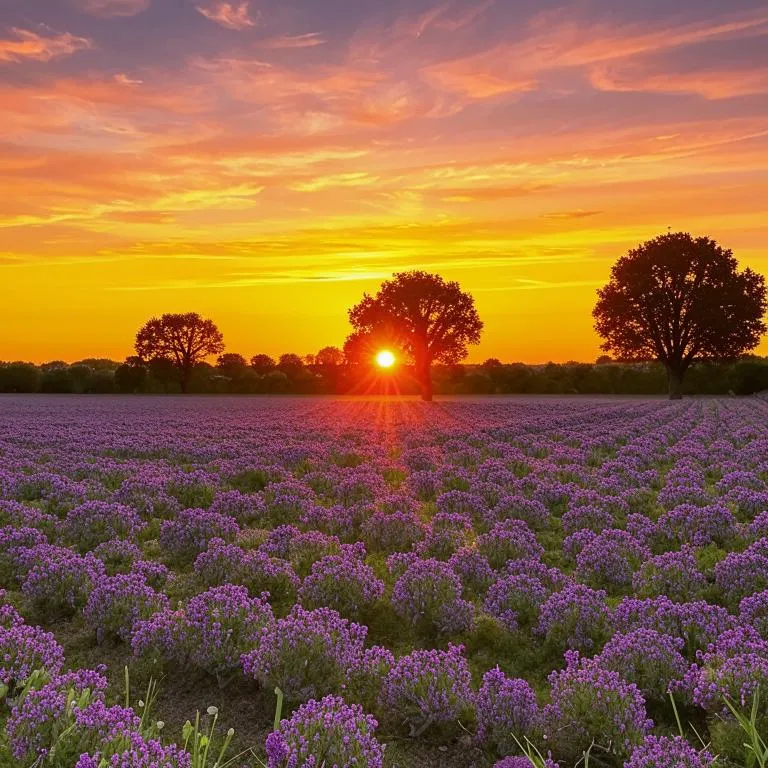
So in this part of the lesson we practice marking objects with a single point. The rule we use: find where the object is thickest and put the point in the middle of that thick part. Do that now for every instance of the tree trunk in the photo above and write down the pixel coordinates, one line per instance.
(425, 381)
(184, 380)
(675, 378)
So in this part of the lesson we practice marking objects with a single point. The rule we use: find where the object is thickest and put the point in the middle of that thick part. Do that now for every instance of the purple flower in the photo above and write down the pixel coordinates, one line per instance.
(328, 732)
(577, 618)
(345, 584)
(307, 654)
(429, 596)
(428, 688)
(589, 704)
(116, 603)
(506, 710)
(666, 752)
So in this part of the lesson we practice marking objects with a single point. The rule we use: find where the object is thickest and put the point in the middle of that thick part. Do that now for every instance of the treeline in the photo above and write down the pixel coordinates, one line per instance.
(329, 373)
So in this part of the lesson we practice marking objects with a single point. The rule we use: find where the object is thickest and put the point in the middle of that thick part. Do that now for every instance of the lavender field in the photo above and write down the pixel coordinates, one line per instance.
(451, 584)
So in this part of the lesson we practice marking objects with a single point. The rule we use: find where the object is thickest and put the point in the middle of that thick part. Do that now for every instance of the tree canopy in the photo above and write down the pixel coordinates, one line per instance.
(678, 299)
(419, 315)
(181, 339)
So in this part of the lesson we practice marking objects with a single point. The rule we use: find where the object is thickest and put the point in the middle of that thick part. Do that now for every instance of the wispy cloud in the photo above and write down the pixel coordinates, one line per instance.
(712, 84)
(234, 15)
(282, 42)
(40, 47)
(112, 8)
(566, 215)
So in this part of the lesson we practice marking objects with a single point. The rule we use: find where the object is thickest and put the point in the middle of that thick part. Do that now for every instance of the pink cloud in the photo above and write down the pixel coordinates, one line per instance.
(308, 40)
(234, 15)
(712, 85)
(31, 45)
(110, 8)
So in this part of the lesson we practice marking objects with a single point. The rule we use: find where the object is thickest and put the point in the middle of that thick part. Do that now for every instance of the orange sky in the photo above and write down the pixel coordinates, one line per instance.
(264, 164)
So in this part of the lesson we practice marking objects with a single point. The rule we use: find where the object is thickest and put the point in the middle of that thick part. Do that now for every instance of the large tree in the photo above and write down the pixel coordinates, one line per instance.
(421, 316)
(678, 299)
(182, 339)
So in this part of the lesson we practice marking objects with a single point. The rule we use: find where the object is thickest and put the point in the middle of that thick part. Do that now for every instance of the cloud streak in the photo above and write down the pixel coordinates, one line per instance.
(26, 44)
(112, 8)
(234, 15)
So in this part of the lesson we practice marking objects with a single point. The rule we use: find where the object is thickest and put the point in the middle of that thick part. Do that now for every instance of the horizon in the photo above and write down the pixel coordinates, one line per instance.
(266, 166)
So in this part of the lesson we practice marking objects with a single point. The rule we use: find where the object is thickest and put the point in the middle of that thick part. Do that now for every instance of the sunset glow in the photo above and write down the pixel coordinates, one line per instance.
(385, 359)
(265, 164)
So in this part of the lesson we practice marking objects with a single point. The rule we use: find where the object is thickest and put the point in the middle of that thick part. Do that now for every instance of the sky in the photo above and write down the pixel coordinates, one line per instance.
(264, 163)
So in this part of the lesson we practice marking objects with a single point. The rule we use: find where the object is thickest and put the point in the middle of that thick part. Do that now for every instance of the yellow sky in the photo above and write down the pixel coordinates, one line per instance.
(266, 169)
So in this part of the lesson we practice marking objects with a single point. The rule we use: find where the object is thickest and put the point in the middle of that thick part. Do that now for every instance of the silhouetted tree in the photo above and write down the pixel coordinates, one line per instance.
(19, 377)
(678, 299)
(291, 365)
(185, 340)
(263, 364)
(130, 376)
(421, 315)
(232, 365)
(329, 357)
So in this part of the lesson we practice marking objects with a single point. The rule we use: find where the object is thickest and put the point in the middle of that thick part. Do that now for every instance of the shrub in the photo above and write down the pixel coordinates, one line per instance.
(188, 535)
(428, 687)
(393, 532)
(345, 584)
(222, 624)
(507, 712)
(610, 558)
(516, 600)
(646, 658)
(674, 574)
(95, 522)
(575, 618)
(59, 581)
(666, 752)
(23, 649)
(429, 596)
(116, 603)
(509, 540)
(307, 654)
(592, 704)
(327, 732)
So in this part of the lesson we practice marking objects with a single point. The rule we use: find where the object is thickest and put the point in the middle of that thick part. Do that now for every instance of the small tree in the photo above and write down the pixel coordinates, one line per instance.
(329, 357)
(263, 364)
(421, 315)
(184, 340)
(291, 365)
(678, 299)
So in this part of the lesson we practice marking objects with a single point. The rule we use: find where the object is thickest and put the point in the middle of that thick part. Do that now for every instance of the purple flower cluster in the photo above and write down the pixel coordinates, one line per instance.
(307, 654)
(665, 752)
(189, 534)
(507, 712)
(427, 688)
(116, 603)
(90, 524)
(429, 595)
(326, 732)
(576, 618)
(345, 584)
(593, 704)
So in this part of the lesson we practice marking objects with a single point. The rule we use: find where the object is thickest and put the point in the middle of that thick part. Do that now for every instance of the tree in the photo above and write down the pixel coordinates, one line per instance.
(130, 376)
(232, 365)
(421, 316)
(678, 299)
(263, 364)
(291, 365)
(329, 357)
(184, 340)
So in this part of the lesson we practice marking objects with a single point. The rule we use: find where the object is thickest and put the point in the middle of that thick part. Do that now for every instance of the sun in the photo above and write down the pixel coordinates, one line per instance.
(385, 359)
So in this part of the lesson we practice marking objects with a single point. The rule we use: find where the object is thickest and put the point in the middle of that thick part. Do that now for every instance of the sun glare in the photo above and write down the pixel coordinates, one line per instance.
(385, 359)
